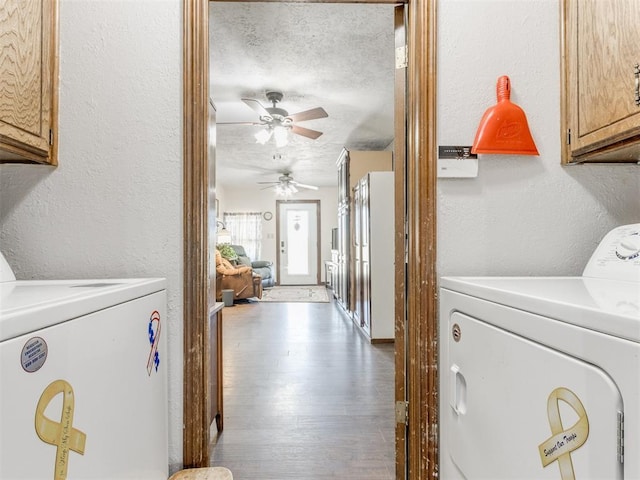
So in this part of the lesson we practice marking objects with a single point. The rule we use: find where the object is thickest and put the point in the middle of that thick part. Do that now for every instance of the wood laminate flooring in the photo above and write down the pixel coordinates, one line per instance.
(305, 396)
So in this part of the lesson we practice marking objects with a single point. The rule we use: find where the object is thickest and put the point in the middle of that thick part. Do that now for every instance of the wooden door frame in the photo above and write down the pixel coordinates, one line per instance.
(420, 191)
(318, 236)
(399, 188)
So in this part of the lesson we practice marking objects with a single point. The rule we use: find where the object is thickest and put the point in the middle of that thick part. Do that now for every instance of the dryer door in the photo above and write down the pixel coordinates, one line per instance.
(520, 410)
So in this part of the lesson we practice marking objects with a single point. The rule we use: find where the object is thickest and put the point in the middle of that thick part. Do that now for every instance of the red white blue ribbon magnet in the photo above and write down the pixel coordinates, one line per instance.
(154, 340)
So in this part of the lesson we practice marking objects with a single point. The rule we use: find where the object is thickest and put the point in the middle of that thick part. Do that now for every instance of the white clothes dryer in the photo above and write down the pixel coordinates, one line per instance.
(83, 378)
(540, 377)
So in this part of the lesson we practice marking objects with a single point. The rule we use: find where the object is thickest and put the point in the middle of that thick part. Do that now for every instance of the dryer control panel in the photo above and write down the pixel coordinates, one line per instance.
(618, 255)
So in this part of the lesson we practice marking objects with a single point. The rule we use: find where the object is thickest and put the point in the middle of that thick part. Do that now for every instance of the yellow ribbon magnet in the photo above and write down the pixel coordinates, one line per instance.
(62, 434)
(562, 442)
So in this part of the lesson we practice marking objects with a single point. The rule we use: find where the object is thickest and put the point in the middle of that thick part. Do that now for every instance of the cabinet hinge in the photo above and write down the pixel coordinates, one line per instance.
(402, 412)
(402, 57)
(621, 437)
(568, 136)
(50, 137)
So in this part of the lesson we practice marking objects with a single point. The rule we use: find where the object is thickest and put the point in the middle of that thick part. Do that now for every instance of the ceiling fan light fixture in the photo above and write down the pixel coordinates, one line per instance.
(277, 121)
(287, 186)
(282, 191)
(285, 189)
(263, 136)
(280, 134)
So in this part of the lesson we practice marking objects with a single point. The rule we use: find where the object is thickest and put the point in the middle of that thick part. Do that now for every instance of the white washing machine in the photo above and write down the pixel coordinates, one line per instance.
(83, 379)
(540, 377)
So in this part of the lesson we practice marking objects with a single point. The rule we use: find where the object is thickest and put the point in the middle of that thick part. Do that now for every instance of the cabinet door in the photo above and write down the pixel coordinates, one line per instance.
(342, 284)
(358, 314)
(343, 177)
(28, 72)
(601, 54)
(362, 288)
(365, 255)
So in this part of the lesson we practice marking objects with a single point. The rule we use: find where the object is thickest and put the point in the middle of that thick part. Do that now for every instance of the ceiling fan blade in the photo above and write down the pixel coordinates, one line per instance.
(312, 114)
(268, 183)
(253, 167)
(302, 185)
(257, 107)
(305, 132)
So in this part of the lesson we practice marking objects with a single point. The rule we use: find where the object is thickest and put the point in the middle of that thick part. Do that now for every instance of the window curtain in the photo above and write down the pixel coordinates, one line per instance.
(246, 230)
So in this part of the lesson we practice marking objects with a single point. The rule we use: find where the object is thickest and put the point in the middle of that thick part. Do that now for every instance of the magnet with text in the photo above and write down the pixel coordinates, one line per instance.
(60, 434)
(563, 441)
(34, 354)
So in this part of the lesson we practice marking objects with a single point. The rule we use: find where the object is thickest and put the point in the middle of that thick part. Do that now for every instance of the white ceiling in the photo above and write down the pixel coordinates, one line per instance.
(336, 56)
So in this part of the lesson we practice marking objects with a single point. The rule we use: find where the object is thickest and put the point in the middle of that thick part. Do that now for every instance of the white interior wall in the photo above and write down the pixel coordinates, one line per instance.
(522, 215)
(246, 199)
(113, 207)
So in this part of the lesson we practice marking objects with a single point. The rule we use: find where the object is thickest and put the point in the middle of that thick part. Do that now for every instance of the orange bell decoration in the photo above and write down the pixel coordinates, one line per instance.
(504, 128)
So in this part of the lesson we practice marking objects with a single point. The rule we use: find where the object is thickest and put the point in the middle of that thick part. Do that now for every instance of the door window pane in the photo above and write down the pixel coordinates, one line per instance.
(298, 237)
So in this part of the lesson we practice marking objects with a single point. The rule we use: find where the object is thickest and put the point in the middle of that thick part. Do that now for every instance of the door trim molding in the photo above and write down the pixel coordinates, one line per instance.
(421, 277)
(422, 311)
(399, 188)
(196, 437)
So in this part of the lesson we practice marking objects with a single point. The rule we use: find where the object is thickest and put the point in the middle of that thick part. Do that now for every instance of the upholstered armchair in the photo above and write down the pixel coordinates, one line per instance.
(241, 279)
(263, 268)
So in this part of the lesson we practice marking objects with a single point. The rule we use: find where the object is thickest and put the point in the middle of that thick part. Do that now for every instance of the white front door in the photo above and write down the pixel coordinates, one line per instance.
(298, 244)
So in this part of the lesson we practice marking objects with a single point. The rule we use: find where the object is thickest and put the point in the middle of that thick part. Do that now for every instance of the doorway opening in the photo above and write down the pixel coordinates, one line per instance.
(415, 239)
(344, 21)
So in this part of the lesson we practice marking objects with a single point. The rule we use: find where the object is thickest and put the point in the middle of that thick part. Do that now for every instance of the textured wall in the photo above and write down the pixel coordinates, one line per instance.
(522, 215)
(113, 208)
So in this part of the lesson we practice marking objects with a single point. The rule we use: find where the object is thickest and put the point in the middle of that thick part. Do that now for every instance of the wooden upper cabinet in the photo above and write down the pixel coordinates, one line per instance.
(601, 81)
(28, 81)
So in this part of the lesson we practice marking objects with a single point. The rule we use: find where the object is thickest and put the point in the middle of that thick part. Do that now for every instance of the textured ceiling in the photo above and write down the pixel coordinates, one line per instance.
(336, 56)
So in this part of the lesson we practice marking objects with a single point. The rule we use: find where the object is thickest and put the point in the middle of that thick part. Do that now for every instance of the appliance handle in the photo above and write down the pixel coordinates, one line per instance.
(458, 397)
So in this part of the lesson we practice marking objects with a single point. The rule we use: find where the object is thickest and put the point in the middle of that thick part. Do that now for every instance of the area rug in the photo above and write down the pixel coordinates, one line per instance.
(315, 293)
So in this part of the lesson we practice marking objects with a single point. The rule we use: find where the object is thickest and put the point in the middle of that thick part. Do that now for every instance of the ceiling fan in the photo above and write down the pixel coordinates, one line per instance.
(278, 121)
(286, 185)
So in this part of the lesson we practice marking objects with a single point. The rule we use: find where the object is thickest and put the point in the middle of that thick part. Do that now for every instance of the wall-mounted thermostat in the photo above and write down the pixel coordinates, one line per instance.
(457, 162)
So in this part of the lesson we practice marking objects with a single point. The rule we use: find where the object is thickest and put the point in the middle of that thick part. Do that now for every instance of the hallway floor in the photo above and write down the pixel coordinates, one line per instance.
(305, 396)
